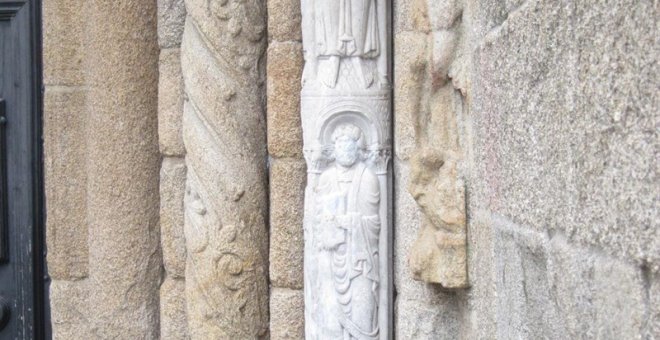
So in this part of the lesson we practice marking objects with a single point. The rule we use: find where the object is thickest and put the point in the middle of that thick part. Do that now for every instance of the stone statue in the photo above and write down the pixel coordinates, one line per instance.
(347, 226)
(344, 30)
(345, 106)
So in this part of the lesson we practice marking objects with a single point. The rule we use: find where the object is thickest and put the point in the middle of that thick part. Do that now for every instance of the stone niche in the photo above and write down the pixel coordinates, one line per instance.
(346, 120)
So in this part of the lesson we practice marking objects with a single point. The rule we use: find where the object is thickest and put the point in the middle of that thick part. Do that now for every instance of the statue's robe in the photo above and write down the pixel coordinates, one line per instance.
(348, 256)
(345, 28)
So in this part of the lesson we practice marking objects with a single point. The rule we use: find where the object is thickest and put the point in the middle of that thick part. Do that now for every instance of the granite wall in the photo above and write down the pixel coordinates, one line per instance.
(562, 180)
(555, 108)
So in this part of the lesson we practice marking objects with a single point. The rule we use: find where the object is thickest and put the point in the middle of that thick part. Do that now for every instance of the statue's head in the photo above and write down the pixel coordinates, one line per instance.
(346, 138)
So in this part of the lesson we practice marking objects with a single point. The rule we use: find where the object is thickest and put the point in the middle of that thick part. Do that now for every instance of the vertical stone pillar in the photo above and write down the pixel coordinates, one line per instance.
(287, 169)
(65, 152)
(224, 133)
(346, 120)
(122, 167)
(173, 320)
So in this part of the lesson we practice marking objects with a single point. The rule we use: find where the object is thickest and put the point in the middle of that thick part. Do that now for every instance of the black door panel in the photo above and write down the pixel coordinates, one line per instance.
(22, 301)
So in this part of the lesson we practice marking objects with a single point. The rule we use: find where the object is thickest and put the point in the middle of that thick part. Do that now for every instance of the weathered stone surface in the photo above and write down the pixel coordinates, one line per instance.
(653, 322)
(170, 103)
(619, 295)
(426, 130)
(123, 162)
(548, 287)
(616, 119)
(443, 14)
(287, 187)
(284, 70)
(524, 306)
(548, 160)
(560, 171)
(408, 220)
(171, 17)
(172, 188)
(287, 175)
(410, 68)
(481, 302)
(235, 32)
(420, 307)
(63, 42)
(487, 15)
(582, 122)
(65, 152)
(284, 19)
(287, 314)
(420, 320)
(225, 202)
(69, 314)
(443, 52)
(439, 254)
(228, 95)
(410, 15)
(173, 322)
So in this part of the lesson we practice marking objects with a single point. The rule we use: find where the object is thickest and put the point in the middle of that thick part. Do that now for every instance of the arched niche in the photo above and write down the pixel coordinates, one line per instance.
(358, 115)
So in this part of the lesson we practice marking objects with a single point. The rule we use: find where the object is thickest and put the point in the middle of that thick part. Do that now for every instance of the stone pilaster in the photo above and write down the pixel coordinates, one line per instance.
(287, 169)
(173, 319)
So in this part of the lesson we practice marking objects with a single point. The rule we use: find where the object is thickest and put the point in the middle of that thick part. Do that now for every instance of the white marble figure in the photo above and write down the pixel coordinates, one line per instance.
(345, 30)
(347, 227)
(345, 107)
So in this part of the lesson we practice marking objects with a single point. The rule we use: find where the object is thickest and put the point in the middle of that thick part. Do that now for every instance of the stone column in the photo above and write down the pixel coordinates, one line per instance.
(346, 120)
(224, 133)
(122, 168)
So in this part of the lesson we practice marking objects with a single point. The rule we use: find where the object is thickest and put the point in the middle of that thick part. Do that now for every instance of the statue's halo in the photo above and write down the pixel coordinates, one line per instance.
(354, 116)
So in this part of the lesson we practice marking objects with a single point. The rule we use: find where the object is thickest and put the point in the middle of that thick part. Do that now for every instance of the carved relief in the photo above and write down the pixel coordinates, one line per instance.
(342, 41)
(224, 279)
(346, 231)
(439, 254)
(226, 186)
(345, 106)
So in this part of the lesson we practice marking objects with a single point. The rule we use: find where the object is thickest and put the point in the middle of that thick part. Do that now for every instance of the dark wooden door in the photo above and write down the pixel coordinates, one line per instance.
(22, 274)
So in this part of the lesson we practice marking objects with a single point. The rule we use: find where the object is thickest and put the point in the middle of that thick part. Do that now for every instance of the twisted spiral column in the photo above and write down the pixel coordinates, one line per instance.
(224, 132)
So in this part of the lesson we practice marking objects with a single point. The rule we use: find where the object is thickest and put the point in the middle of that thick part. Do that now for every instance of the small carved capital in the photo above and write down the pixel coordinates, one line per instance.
(378, 158)
(317, 158)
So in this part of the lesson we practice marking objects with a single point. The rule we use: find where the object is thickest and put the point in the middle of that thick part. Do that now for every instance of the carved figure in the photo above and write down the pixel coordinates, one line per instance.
(345, 30)
(345, 115)
(347, 226)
